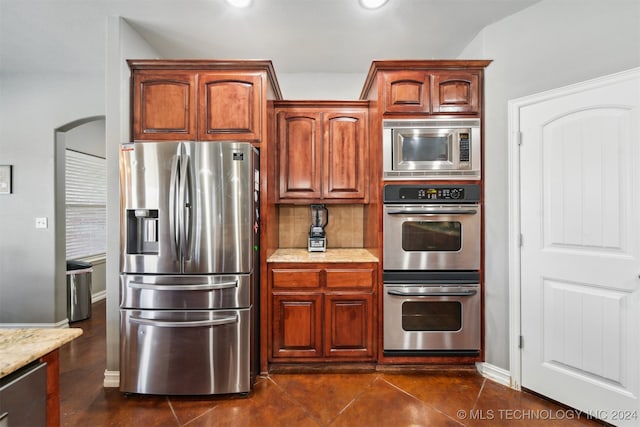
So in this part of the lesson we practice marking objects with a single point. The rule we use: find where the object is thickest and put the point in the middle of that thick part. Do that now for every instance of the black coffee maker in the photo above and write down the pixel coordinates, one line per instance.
(317, 237)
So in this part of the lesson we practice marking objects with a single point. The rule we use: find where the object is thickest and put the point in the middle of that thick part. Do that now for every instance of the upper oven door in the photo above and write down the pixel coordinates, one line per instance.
(431, 237)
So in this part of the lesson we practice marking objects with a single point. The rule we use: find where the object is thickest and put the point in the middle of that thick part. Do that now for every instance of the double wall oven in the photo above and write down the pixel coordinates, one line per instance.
(432, 256)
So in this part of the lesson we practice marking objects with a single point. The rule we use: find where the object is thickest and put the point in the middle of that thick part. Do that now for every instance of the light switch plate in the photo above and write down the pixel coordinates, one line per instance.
(42, 222)
(5, 179)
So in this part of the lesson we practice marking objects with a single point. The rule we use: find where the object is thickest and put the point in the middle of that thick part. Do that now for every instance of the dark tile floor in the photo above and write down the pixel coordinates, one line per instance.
(450, 398)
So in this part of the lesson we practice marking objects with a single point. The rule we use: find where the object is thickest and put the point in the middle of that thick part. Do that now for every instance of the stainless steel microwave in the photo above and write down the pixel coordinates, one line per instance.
(431, 149)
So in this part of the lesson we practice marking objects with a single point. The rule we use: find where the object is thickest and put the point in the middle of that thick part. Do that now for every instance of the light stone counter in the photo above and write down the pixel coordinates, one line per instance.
(331, 255)
(19, 347)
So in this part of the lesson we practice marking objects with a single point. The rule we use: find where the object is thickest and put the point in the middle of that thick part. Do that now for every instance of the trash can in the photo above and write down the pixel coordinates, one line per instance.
(78, 290)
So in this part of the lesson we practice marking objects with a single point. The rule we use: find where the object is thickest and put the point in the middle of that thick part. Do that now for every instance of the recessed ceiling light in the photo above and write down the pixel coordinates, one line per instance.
(372, 4)
(239, 3)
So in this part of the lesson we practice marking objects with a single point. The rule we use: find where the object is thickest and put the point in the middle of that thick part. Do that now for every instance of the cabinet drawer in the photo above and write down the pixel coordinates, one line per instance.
(296, 278)
(350, 278)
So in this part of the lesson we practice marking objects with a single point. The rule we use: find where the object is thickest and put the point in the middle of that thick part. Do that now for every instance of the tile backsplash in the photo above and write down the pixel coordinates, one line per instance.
(345, 228)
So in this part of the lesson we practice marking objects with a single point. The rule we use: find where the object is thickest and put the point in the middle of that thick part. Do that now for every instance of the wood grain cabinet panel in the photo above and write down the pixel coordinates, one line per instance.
(201, 100)
(333, 322)
(406, 92)
(345, 141)
(300, 154)
(163, 105)
(286, 278)
(456, 92)
(322, 153)
(229, 106)
(431, 92)
(297, 325)
(361, 278)
(348, 325)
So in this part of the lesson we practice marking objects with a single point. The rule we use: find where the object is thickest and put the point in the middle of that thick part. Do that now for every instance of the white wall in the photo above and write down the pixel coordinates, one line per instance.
(122, 43)
(32, 106)
(323, 86)
(551, 44)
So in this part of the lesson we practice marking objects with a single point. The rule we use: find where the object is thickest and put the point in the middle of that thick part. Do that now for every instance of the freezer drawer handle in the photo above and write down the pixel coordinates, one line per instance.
(195, 287)
(433, 294)
(191, 324)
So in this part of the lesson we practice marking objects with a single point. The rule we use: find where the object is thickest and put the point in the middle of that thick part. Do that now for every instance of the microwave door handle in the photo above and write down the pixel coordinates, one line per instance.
(433, 294)
(433, 212)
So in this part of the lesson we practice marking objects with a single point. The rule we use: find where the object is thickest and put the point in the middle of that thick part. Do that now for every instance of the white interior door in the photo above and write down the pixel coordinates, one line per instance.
(580, 250)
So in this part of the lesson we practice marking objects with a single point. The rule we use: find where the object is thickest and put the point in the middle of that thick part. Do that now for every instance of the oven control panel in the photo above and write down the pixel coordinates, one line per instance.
(432, 193)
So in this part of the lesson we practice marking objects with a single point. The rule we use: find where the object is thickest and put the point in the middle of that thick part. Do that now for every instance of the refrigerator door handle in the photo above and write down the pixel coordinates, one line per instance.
(187, 201)
(173, 204)
(184, 204)
(192, 287)
(186, 324)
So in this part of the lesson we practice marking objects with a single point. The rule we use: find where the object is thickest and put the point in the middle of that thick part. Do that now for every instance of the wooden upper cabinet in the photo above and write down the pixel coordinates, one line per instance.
(163, 105)
(300, 154)
(229, 106)
(456, 92)
(201, 100)
(345, 141)
(322, 154)
(431, 92)
(406, 92)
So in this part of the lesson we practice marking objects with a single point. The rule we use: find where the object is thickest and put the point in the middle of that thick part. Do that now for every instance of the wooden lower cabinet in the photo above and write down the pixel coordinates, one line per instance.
(297, 325)
(348, 322)
(322, 312)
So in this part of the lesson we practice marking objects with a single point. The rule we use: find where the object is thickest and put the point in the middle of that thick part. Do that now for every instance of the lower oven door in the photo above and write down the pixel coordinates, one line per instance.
(185, 352)
(437, 319)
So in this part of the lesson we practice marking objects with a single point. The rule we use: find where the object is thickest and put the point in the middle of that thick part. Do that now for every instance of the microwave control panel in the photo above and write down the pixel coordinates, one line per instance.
(429, 194)
(463, 143)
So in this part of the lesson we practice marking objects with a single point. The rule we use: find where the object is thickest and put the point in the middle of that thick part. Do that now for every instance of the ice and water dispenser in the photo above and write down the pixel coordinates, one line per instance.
(142, 231)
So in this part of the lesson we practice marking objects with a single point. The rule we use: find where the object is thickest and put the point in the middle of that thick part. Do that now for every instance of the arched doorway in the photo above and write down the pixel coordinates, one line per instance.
(86, 137)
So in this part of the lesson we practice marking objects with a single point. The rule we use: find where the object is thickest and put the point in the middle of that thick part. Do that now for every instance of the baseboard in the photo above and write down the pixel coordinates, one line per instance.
(111, 379)
(494, 373)
(98, 296)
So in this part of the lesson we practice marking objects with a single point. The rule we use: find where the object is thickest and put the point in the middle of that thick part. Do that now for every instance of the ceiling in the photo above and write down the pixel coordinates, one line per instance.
(333, 36)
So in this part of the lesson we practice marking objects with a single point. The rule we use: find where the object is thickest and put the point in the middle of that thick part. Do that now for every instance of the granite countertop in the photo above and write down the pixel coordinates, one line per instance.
(331, 255)
(19, 347)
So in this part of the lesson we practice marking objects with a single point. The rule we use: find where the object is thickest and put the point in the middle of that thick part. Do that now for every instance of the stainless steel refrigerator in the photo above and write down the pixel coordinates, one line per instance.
(189, 261)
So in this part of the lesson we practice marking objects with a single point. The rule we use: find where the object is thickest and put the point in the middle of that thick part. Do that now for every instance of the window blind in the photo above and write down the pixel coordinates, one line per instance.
(86, 204)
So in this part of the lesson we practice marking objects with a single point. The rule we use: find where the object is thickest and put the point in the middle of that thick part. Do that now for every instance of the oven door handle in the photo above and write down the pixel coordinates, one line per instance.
(434, 212)
(433, 294)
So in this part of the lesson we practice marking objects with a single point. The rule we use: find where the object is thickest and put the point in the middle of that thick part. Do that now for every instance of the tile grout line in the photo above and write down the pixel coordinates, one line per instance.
(294, 400)
(422, 401)
(356, 397)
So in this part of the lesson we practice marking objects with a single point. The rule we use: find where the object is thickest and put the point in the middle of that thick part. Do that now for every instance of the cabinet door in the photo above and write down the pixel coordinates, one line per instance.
(163, 105)
(406, 92)
(297, 330)
(344, 155)
(299, 154)
(348, 325)
(456, 92)
(230, 106)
